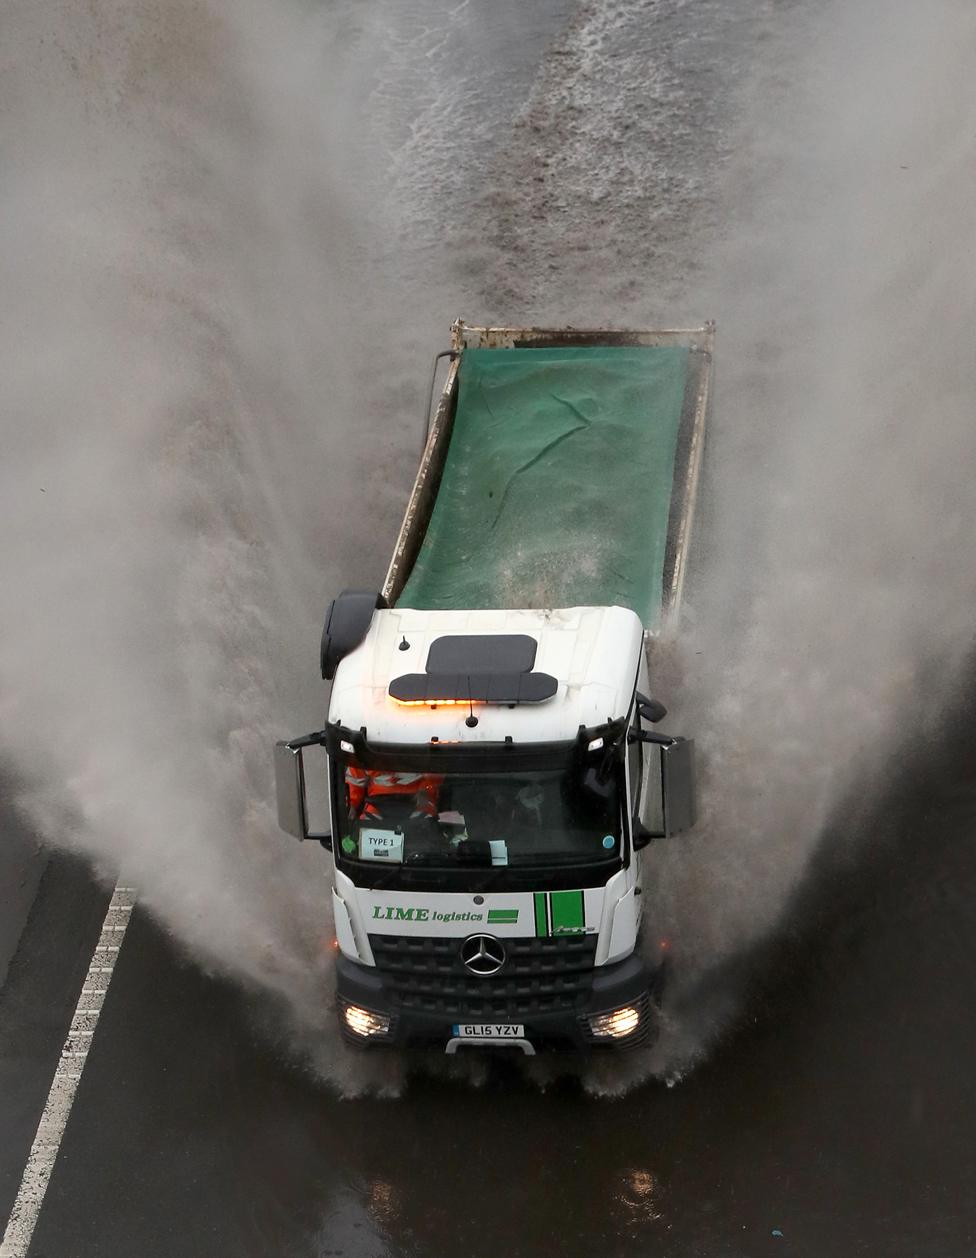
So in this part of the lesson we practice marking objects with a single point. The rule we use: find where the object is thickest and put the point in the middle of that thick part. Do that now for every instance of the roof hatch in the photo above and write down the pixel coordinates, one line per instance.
(477, 668)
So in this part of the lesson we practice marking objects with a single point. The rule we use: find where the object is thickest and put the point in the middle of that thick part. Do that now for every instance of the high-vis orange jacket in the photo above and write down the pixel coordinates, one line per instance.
(366, 788)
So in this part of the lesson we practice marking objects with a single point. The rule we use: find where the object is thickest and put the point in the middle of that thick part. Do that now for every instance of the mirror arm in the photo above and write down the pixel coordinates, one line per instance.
(317, 739)
(649, 736)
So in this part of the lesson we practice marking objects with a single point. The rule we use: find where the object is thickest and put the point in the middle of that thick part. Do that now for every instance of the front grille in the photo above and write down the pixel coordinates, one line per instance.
(539, 976)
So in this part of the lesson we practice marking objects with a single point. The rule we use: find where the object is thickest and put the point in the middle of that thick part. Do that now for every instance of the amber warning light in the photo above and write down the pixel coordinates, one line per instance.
(435, 703)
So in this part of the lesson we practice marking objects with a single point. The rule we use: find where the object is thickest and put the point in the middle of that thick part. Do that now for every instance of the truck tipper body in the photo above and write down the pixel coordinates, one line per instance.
(494, 767)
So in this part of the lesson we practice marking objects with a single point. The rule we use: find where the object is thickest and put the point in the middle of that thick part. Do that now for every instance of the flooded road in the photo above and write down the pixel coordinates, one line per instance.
(837, 1115)
(275, 215)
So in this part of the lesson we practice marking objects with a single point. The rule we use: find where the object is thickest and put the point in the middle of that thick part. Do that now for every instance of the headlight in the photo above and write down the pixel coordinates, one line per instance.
(615, 1025)
(364, 1022)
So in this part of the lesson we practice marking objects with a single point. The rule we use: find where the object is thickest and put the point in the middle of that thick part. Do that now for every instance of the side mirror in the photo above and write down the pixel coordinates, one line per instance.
(678, 798)
(678, 786)
(651, 709)
(642, 836)
(290, 792)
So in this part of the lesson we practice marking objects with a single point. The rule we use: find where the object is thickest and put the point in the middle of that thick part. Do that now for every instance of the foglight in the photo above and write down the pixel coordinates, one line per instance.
(615, 1025)
(364, 1022)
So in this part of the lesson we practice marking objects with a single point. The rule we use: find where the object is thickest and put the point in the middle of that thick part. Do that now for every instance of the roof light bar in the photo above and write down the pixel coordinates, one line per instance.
(436, 703)
(434, 689)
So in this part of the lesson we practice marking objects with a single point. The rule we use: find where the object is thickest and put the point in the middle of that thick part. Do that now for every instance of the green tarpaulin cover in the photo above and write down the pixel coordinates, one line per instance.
(557, 486)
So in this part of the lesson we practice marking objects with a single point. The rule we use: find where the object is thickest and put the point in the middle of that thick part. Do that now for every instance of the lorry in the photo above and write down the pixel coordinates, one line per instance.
(491, 764)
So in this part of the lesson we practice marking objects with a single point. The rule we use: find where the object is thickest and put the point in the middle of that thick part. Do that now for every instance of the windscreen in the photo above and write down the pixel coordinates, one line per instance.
(533, 818)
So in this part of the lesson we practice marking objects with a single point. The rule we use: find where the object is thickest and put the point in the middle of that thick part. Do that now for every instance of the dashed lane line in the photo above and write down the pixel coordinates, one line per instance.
(50, 1130)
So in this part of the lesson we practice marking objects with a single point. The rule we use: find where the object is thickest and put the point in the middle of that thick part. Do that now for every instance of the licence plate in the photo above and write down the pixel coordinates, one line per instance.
(489, 1030)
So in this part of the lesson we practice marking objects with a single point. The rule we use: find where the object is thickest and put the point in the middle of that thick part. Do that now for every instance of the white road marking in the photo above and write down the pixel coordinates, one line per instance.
(50, 1130)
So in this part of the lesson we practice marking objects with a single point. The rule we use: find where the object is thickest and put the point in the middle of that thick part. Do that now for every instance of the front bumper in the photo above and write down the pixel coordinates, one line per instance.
(626, 983)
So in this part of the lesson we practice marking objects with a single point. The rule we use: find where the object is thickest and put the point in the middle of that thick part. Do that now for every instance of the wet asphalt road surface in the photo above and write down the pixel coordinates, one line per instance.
(837, 1117)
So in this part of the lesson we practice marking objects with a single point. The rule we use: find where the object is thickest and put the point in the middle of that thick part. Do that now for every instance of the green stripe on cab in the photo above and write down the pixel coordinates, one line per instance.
(567, 912)
(539, 899)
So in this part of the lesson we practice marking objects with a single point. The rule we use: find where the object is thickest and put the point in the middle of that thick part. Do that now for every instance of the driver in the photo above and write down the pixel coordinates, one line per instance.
(368, 788)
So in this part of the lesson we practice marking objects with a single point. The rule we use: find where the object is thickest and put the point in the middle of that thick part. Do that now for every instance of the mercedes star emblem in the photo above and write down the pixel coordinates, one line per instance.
(483, 955)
